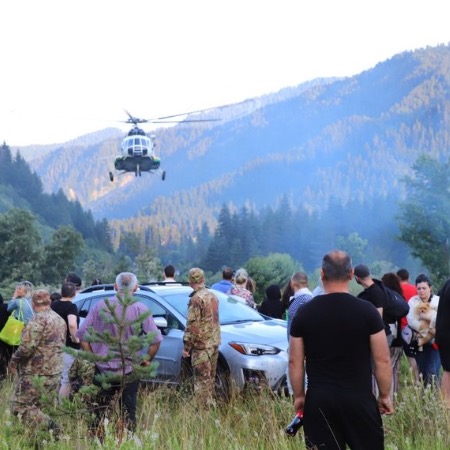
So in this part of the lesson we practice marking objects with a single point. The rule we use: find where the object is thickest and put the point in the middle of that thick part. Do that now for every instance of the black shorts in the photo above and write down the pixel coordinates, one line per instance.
(333, 420)
(444, 353)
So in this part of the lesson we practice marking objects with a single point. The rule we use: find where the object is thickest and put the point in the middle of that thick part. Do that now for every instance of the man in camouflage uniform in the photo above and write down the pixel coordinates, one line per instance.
(202, 337)
(40, 355)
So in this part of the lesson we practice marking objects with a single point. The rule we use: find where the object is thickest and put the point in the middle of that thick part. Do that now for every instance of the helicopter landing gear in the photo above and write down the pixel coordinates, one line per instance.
(137, 172)
(111, 176)
(163, 175)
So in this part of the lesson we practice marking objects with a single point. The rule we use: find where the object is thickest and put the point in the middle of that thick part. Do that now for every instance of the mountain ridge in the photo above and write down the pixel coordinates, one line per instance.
(340, 139)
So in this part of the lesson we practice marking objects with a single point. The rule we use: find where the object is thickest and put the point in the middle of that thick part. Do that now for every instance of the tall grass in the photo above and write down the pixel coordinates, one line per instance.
(168, 419)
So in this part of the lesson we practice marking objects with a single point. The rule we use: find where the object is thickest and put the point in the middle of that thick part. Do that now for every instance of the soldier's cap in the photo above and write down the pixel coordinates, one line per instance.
(41, 297)
(196, 275)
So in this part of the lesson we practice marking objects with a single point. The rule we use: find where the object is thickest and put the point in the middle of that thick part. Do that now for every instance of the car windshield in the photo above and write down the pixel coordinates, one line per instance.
(230, 309)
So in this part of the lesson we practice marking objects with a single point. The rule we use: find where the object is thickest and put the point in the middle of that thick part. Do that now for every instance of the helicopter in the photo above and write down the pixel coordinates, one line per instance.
(137, 150)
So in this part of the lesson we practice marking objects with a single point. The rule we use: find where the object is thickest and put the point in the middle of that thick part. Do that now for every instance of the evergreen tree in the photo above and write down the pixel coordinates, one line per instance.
(424, 220)
(60, 254)
(6, 174)
(148, 267)
(129, 352)
(20, 251)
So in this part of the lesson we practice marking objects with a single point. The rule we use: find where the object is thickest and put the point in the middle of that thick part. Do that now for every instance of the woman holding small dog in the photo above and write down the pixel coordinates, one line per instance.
(422, 319)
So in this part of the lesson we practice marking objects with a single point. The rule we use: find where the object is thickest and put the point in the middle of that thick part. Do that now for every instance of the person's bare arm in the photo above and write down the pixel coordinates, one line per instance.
(86, 346)
(73, 328)
(297, 371)
(152, 351)
(382, 370)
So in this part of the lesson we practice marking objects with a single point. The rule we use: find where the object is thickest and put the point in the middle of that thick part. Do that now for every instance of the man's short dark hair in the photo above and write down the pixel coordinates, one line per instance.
(73, 278)
(403, 274)
(55, 296)
(337, 266)
(169, 271)
(362, 271)
(68, 290)
(300, 278)
(227, 273)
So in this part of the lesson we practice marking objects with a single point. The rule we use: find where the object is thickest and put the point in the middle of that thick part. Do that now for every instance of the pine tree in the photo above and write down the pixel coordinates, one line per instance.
(129, 352)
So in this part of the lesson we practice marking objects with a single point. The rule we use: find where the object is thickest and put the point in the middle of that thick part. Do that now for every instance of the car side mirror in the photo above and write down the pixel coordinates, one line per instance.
(160, 322)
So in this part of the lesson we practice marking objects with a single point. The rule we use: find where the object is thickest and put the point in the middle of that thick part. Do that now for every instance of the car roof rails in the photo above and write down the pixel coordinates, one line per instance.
(165, 283)
(98, 287)
(108, 287)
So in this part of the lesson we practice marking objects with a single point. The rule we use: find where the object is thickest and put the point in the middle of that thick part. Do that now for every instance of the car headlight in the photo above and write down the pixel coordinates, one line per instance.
(254, 349)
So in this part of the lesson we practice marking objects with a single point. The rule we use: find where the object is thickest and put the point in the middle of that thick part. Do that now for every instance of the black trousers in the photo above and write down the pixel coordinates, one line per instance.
(333, 420)
(127, 398)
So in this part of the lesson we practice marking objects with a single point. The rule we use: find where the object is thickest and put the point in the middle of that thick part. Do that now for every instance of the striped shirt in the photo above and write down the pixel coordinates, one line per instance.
(301, 297)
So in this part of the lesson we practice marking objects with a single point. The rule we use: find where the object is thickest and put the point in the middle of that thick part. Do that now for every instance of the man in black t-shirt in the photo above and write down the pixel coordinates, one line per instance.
(336, 335)
(373, 292)
(69, 312)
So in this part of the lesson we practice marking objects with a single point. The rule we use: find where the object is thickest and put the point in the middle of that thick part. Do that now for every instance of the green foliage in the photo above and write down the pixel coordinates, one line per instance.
(420, 421)
(424, 220)
(276, 268)
(354, 245)
(148, 267)
(21, 248)
(25, 190)
(60, 254)
(129, 352)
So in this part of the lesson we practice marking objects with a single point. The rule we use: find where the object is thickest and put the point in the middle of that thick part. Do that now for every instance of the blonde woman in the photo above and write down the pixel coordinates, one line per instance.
(240, 280)
(21, 300)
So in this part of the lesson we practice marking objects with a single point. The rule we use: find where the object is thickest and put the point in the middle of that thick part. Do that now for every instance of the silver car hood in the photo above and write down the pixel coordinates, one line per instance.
(268, 332)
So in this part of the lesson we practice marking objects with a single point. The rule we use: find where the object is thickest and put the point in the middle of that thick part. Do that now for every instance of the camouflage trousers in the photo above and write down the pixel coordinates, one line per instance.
(30, 395)
(204, 364)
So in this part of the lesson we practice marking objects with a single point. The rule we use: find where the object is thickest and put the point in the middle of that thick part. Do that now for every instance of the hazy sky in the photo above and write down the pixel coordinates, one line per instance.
(70, 67)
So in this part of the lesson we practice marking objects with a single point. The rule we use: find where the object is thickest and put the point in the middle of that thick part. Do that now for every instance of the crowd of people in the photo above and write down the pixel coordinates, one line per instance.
(341, 393)
(52, 323)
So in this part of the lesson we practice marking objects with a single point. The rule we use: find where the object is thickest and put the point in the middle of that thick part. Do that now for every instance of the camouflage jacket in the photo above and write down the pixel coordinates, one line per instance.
(202, 327)
(40, 352)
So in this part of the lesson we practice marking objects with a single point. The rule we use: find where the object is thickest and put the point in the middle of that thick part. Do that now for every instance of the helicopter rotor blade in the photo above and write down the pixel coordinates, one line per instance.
(163, 119)
(134, 120)
(182, 114)
(185, 121)
(194, 112)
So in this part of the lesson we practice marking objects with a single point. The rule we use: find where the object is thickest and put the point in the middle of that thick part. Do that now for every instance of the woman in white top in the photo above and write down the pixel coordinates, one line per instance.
(422, 319)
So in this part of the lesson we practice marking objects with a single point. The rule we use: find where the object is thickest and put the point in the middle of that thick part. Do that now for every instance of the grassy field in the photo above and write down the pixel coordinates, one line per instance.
(168, 420)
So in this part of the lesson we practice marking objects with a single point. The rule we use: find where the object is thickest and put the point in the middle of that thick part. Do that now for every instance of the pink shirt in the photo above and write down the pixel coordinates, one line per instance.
(95, 319)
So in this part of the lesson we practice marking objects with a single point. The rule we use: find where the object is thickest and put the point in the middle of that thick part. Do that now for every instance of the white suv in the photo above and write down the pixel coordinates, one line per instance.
(253, 351)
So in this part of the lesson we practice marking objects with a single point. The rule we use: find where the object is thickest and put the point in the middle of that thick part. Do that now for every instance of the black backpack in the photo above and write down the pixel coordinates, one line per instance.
(395, 307)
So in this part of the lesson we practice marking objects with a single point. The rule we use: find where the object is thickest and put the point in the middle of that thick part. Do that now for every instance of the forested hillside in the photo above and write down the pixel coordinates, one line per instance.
(43, 236)
(22, 188)
(335, 150)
